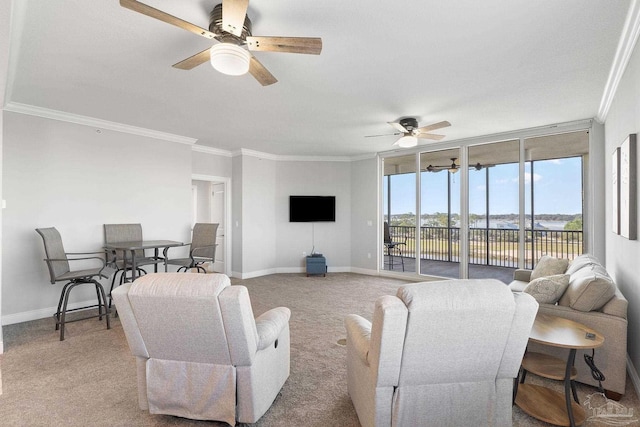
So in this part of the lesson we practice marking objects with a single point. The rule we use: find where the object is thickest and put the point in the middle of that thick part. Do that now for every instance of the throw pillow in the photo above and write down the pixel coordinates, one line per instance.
(582, 261)
(588, 290)
(549, 266)
(548, 290)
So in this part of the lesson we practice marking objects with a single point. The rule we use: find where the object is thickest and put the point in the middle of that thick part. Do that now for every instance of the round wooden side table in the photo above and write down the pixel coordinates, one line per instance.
(541, 402)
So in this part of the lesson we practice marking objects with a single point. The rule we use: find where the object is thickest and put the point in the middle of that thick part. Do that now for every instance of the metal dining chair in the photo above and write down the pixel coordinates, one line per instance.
(121, 260)
(202, 249)
(394, 248)
(59, 271)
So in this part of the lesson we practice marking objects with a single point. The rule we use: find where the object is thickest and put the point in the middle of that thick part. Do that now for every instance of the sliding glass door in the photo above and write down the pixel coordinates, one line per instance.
(399, 214)
(494, 220)
(439, 249)
(554, 189)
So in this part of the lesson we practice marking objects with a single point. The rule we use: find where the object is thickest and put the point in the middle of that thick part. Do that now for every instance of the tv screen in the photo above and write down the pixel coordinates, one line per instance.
(312, 208)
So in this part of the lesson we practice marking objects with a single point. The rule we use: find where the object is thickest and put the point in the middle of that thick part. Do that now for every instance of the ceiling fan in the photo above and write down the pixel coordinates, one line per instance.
(453, 167)
(408, 128)
(230, 25)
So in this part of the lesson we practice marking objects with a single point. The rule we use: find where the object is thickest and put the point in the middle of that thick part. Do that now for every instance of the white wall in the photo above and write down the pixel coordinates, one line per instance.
(365, 185)
(258, 216)
(203, 163)
(76, 179)
(622, 254)
(236, 215)
(5, 25)
(203, 205)
(333, 239)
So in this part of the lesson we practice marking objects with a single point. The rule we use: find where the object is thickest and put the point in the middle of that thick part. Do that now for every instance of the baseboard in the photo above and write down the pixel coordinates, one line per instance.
(257, 273)
(26, 316)
(633, 374)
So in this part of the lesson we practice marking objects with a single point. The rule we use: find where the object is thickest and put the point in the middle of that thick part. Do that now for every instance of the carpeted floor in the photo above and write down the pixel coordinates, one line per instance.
(89, 379)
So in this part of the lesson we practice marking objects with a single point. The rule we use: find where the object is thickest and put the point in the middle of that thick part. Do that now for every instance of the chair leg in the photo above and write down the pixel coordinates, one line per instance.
(102, 302)
(113, 281)
(63, 315)
(99, 304)
(60, 302)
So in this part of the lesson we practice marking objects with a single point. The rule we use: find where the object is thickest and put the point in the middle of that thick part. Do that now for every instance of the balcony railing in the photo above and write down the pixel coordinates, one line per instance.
(488, 246)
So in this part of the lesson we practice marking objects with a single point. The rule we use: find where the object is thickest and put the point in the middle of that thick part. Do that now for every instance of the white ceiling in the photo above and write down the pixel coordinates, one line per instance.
(486, 66)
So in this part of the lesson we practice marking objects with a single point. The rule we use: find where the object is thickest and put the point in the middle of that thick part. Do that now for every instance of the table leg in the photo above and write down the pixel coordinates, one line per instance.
(133, 266)
(155, 256)
(568, 389)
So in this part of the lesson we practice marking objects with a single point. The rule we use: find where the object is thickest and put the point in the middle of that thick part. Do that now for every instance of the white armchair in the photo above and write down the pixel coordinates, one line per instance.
(439, 354)
(200, 353)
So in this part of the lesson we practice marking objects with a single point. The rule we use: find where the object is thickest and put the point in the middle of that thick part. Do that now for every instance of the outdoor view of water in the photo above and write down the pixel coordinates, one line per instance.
(547, 225)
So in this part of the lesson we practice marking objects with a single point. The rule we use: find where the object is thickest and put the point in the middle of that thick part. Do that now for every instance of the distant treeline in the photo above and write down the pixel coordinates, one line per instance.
(539, 217)
(441, 219)
(502, 217)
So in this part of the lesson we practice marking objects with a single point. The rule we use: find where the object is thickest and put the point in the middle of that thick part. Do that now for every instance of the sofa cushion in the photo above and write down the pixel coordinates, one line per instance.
(549, 289)
(582, 261)
(589, 289)
(549, 266)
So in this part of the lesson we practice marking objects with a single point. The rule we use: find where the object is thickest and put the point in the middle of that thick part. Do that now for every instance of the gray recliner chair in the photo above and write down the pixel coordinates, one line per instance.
(439, 354)
(200, 353)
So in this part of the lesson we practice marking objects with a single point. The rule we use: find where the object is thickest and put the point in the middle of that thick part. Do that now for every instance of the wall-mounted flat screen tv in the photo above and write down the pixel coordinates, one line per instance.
(312, 208)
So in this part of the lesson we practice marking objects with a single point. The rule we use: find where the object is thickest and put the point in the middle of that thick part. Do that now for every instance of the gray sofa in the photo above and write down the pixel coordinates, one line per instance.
(581, 303)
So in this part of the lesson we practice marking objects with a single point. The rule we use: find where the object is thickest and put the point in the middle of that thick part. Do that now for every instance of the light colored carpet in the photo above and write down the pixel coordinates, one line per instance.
(89, 379)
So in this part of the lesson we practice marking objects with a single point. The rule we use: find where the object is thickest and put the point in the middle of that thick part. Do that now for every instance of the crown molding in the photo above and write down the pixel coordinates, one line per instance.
(287, 158)
(364, 157)
(211, 150)
(627, 43)
(47, 113)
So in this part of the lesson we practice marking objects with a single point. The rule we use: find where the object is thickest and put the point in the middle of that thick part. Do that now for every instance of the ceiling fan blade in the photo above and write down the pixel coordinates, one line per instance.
(260, 73)
(385, 134)
(136, 6)
(398, 126)
(433, 136)
(193, 61)
(308, 45)
(233, 14)
(434, 126)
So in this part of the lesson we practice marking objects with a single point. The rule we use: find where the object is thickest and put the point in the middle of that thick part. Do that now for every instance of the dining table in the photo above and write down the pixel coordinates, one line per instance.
(134, 246)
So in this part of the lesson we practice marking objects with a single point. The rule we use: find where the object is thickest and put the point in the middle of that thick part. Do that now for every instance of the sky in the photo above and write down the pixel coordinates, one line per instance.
(557, 189)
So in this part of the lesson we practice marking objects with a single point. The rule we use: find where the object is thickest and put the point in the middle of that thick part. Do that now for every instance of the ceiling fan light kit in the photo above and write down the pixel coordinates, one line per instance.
(407, 141)
(230, 59)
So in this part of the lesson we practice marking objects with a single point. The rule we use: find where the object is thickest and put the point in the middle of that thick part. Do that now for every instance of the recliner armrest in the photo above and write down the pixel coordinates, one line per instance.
(270, 324)
(358, 335)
